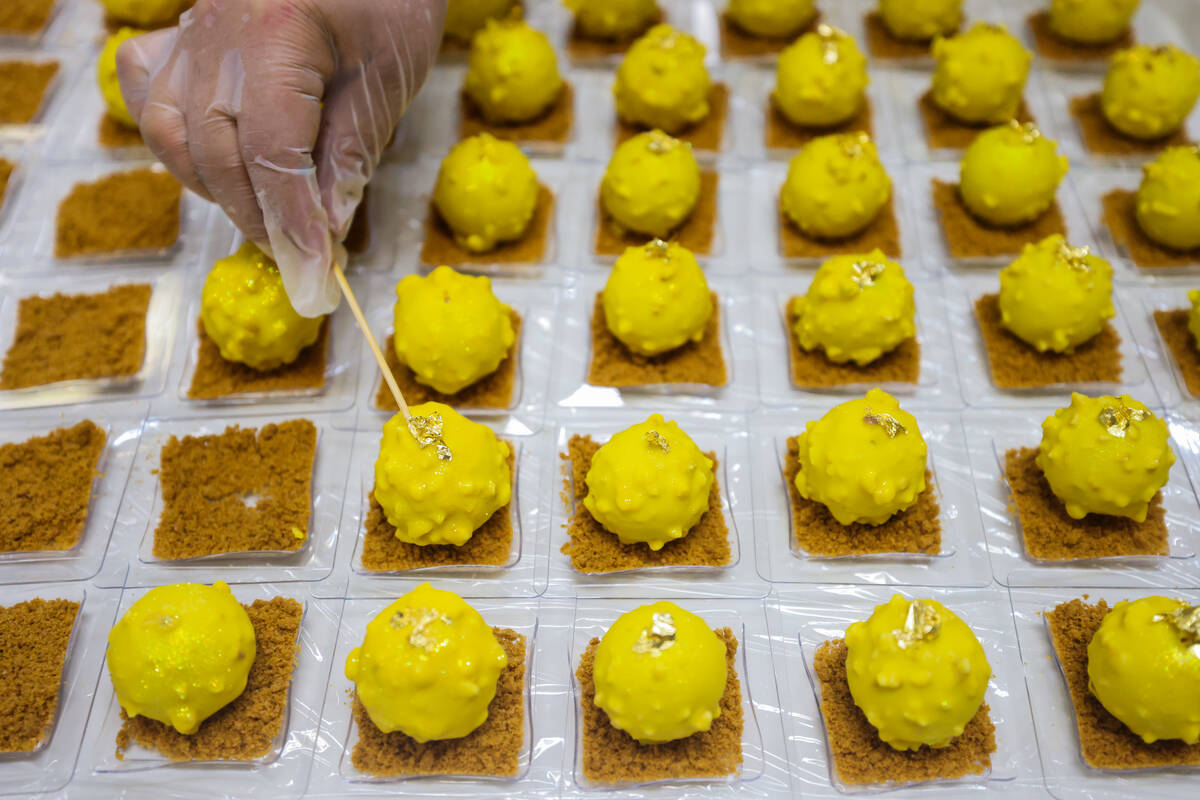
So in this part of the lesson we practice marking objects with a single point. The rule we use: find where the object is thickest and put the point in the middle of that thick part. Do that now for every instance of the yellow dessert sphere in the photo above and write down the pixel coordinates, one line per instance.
(980, 74)
(920, 20)
(428, 666)
(660, 673)
(835, 186)
(857, 308)
(864, 460)
(1144, 667)
(512, 75)
(774, 19)
(1168, 199)
(450, 330)
(106, 77)
(649, 483)
(821, 79)
(1105, 455)
(613, 19)
(486, 192)
(146, 13)
(1054, 296)
(1149, 91)
(1194, 316)
(439, 488)
(916, 671)
(656, 298)
(651, 185)
(662, 82)
(180, 654)
(1009, 174)
(465, 18)
(1091, 21)
(247, 314)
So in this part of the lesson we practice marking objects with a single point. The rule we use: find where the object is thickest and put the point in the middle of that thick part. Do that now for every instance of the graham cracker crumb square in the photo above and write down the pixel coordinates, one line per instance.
(883, 232)
(707, 135)
(215, 377)
(34, 636)
(917, 529)
(1016, 365)
(783, 134)
(737, 43)
(860, 757)
(881, 44)
(48, 480)
(240, 491)
(23, 87)
(490, 545)
(944, 132)
(244, 730)
(1120, 215)
(812, 369)
(697, 233)
(6, 171)
(493, 749)
(25, 17)
(583, 48)
(440, 247)
(1052, 47)
(613, 756)
(1102, 138)
(1105, 741)
(552, 126)
(1052, 535)
(968, 237)
(494, 390)
(614, 364)
(1173, 327)
(593, 549)
(137, 210)
(113, 135)
(77, 337)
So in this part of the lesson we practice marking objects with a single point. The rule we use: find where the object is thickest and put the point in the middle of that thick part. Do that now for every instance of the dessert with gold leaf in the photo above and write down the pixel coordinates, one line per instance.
(1149, 91)
(821, 79)
(657, 298)
(980, 75)
(662, 82)
(835, 187)
(486, 193)
(1009, 174)
(512, 74)
(651, 185)
(1168, 199)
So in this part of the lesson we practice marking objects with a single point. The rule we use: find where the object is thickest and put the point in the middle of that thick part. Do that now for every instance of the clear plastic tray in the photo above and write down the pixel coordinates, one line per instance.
(1160, 362)
(16, 40)
(75, 133)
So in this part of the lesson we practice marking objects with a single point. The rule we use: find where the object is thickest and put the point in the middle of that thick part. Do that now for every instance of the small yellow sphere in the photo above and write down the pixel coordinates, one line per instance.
(1168, 200)
(980, 74)
(1010, 173)
(146, 13)
(835, 186)
(1149, 91)
(106, 77)
(1105, 455)
(773, 19)
(821, 80)
(651, 185)
(465, 18)
(660, 673)
(662, 82)
(512, 75)
(428, 666)
(486, 192)
(1194, 316)
(181, 653)
(921, 20)
(1091, 21)
(656, 298)
(613, 19)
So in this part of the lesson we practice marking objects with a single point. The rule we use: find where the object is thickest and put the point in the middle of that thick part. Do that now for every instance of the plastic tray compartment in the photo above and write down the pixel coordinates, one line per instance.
(1160, 361)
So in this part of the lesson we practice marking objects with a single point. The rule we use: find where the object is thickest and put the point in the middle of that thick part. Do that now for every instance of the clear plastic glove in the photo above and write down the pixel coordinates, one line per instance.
(279, 110)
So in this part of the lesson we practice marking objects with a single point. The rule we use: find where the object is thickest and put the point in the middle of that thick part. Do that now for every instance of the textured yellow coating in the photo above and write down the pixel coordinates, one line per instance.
(921, 20)
(1055, 296)
(181, 653)
(772, 18)
(857, 308)
(864, 460)
(835, 186)
(612, 19)
(428, 666)
(450, 329)
(657, 298)
(651, 185)
(1149, 91)
(486, 192)
(649, 483)
(980, 74)
(465, 18)
(145, 13)
(662, 81)
(106, 76)
(917, 672)
(821, 79)
(1091, 21)
(659, 673)
(1009, 174)
(512, 75)
(429, 499)
(247, 314)
(1144, 668)
(1105, 455)
(1168, 199)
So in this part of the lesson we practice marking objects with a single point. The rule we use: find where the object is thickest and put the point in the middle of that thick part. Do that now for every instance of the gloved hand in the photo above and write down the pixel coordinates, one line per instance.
(279, 110)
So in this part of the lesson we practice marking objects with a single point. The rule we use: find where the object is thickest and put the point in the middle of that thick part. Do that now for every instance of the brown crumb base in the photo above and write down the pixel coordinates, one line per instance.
(25, 17)
(881, 43)
(882, 233)
(1105, 741)
(811, 369)
(48, 480)
(6, 171)
(115, 136)
(737, 43)
(967, 237)
(492, 749)
(584, 48)
(1120, 215)
(440, 248)
(861, 757)
(917, 529)
(613, 756)
(944, 132)
(216, 377)
(593, 549)
(208, 483)
(245, 729)
(126, 211)
(783, 134)
(494, 390)
(706, 135)
(1173, 327)
(1052, 47)
(1016, 365)
(1051, 534)
(552, 126)
(23, 88)
(77, 337)
(614, 364)
(697, 232)
(1102, 138)
(33, 647)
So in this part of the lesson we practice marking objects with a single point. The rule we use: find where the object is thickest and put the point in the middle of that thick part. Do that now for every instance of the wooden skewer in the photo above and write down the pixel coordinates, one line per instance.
(356, 309)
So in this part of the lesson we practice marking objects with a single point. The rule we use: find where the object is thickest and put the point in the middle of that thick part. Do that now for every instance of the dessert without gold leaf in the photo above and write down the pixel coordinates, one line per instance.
(465, 18)
(980, 74)
(663, 83)
(774, 19)
(835, 186)
(651, 185)
(486, 192)
(1091, 22)
(513, 74)
(821, 79)
(920, 20)
(657, 298)
(612, 19)
(106, 77)
(1168, 199)
(1149, 91)
(146, 13)
(1010, 173)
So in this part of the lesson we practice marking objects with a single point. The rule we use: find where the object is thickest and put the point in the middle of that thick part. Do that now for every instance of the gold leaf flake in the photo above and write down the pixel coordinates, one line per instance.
(1117, 419)
(419, 620)
(656, 439)
(658, 637)
(891, 426)
(427, 431)
(921, 623)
